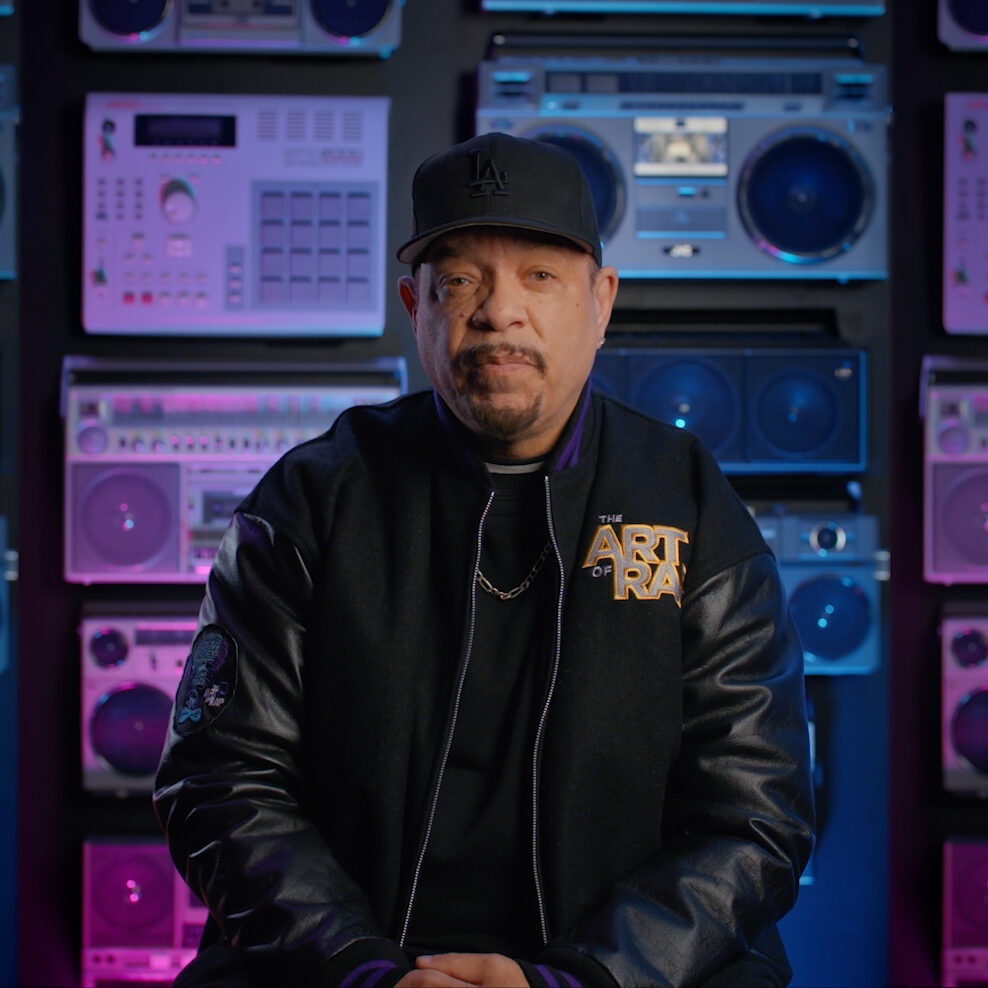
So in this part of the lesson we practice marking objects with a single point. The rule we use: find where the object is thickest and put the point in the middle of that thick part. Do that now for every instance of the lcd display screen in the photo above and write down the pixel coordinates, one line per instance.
(184, 130)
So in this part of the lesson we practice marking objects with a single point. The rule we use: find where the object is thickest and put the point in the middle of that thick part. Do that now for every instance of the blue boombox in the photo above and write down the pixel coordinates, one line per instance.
(720, 167)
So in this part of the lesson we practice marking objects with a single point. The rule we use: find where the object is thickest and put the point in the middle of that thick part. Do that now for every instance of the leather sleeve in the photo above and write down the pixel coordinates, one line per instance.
(739, 820)
(227, 792)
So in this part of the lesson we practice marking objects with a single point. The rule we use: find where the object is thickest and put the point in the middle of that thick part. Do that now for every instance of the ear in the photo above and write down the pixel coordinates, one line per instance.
(408, 289)
(605, 291)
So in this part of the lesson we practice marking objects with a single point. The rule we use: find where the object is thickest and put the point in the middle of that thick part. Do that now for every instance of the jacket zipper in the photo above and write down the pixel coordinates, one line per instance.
(448, 741)
(540, 731)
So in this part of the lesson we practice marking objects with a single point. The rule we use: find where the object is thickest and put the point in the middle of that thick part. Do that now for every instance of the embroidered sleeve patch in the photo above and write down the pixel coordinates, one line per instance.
(208, 682)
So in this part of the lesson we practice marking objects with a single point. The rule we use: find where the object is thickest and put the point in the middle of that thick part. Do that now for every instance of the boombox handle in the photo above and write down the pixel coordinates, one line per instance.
(85, 369)
(844, 44)
(785, 494)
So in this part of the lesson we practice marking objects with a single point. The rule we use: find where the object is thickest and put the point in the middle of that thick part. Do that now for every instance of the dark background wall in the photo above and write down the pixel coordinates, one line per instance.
(870, 918)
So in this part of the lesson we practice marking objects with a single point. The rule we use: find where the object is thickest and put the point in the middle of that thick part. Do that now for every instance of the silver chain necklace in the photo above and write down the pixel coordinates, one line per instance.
(523, 586)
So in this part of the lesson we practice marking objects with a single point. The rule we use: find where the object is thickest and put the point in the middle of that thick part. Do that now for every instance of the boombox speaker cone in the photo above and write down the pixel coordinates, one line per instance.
(966, 912)
(108, 647)
(128, 728)
(969, 729)
(969, 648)
(832, 615)
(797, 412)
(603, 174)
(971, 15)
(349, 19)
(964, 517)
(127, 518)
(129, 16)
(694, 395)
(805, 195)
(130, 897)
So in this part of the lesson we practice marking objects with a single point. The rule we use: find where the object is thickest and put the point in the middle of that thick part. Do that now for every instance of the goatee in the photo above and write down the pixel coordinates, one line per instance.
(479, 394)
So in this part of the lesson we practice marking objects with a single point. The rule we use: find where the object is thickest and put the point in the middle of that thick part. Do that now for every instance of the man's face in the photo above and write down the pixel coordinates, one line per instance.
(507, 327)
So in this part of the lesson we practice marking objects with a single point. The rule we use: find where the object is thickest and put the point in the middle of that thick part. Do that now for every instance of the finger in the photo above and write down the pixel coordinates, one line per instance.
(466, 966)
(478, 969)
(430, 978)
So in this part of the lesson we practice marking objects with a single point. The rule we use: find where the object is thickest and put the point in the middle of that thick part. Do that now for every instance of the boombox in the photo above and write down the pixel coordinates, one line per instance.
(274, 27)
(131, 667)
(965, 174)
(964, 702)
(965, 912)
(831, 567)
(9, 119)
(759, 410)
(154, 470)
(234, 215)
(714, 167)
(808, 8)
(962, 25)
(140, 922)
(954, 404)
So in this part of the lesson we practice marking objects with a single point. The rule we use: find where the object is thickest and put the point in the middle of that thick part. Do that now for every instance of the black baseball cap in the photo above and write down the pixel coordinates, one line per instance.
(501, 181)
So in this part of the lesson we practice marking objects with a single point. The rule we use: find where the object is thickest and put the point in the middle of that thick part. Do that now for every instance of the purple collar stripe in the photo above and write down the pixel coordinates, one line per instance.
(549, 976)
(375, 970)
(570, 455)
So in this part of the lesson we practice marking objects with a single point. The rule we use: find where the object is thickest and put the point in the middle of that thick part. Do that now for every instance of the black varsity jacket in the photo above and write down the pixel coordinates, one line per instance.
(671, 796)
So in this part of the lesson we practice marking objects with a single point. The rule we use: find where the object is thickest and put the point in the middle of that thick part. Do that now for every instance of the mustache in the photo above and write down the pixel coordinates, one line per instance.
(472, 357)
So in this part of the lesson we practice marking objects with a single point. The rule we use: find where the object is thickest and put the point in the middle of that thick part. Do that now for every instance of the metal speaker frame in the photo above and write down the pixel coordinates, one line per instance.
(962, 25)
(307, 27)
(140, 921)
(130, 670)
(964, 954)
(761, 411)
(954, 408)
(964, 703)
(742, 167)
(831, 570)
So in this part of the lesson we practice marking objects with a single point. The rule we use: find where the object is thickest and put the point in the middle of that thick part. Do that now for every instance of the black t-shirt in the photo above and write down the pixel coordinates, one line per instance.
(476, 891)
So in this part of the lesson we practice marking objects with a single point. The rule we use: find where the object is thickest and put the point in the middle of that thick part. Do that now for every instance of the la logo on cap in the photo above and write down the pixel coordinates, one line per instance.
(487, 179)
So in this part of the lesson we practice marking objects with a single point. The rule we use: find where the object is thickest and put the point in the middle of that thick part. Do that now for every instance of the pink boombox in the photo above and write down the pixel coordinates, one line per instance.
(140, 922)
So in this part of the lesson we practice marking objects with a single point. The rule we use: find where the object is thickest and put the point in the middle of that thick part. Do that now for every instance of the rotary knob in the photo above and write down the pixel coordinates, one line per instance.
(828, 538)
(178, 201)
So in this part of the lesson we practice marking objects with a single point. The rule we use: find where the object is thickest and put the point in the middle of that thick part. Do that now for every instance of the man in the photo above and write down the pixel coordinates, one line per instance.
(494, 685)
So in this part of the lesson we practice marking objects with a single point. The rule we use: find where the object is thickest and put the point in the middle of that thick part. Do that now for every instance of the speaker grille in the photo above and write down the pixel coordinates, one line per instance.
(805, 195)
(760, 411)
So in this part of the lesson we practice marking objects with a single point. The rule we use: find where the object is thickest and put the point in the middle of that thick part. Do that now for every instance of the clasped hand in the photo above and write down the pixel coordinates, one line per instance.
(444, 970)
